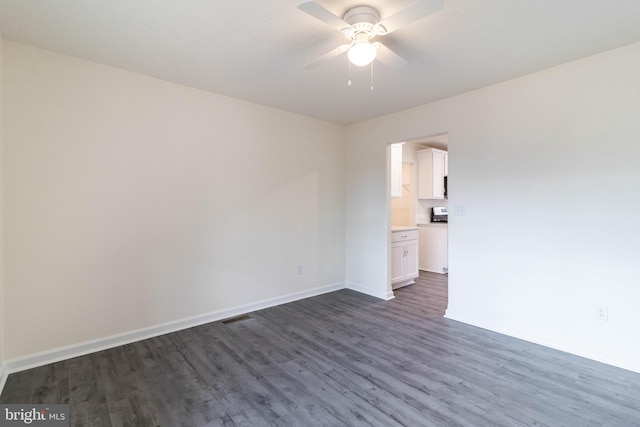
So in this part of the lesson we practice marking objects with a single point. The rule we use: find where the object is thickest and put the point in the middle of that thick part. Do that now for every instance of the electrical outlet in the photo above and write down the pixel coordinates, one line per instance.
(299, 269)
(601, 312)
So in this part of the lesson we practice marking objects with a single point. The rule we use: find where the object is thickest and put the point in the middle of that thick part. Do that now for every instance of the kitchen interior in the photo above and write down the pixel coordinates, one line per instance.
(419, 209)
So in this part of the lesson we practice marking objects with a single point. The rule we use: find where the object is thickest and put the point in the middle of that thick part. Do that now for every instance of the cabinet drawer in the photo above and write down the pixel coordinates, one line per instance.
(401, 236)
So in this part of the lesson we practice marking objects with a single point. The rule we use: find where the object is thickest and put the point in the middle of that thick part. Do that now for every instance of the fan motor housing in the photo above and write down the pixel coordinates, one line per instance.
(361, 15)
(362, 20)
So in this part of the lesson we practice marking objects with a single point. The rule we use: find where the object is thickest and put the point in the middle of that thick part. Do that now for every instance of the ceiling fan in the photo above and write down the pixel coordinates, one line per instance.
(361, 24)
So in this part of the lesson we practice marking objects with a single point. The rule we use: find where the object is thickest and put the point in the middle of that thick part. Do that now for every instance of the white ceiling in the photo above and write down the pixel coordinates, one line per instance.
(440, 142)
(256, 49)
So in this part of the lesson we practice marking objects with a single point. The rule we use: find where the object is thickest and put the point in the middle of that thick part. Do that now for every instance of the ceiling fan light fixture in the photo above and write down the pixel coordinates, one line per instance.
(362, 53)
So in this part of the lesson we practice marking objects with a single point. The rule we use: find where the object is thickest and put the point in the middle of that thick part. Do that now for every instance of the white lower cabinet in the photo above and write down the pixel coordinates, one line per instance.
(404, 257)
(434, 248)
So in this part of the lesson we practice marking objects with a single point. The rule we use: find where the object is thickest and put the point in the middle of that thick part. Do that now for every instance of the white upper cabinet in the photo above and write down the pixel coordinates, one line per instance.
(396, 170)
(446, 164)
(432, 168)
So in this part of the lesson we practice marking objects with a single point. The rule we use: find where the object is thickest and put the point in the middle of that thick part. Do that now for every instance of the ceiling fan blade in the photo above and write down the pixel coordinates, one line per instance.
(327, 56)
(410, 14)
(389, 57)
(322, 14)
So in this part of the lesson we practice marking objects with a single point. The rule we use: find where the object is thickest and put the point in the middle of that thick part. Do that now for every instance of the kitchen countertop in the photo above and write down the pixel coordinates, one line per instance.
(402, 228)
(433, 224)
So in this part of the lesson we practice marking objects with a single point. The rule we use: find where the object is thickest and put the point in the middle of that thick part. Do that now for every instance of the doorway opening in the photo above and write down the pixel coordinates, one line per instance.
(418, 208)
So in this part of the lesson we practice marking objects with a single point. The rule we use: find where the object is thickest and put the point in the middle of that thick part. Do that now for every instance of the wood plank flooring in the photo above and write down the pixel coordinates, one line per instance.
(340, 359)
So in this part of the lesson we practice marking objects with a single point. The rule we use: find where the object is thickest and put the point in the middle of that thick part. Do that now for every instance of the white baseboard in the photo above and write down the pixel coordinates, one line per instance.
(609, 359)
(445, 270)
(385, 295)
(86, 347)
(4, 373)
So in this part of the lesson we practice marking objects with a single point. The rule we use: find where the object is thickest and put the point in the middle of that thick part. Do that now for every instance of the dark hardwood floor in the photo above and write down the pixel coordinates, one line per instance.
(339, 359)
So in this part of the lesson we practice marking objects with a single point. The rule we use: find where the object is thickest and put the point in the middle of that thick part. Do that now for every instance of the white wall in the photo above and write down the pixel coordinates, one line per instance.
(556, 154)
(367, 215)
(2, 305)
(403, 207)
(131, 201)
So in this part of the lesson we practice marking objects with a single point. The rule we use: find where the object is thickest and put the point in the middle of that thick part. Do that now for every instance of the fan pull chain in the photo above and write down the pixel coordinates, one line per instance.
(371, 76)
(349, 81)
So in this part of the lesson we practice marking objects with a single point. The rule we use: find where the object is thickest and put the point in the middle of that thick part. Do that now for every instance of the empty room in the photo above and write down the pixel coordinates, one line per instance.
(319, 213)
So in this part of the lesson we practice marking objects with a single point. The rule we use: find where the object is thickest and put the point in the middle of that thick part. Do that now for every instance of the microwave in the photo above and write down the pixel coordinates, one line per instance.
(446, 195)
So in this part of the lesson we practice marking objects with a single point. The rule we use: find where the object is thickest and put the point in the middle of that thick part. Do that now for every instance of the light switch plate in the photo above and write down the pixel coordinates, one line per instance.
(459, 210)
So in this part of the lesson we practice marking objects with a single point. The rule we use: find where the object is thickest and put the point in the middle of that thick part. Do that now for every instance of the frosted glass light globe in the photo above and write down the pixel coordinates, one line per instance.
(362, 53)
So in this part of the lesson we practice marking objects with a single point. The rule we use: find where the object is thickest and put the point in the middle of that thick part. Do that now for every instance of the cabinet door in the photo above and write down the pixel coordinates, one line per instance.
(411, 259)
(397, 262)
(425, 175)
(438, 174)
(431, 171)
(433, 253)
(446, 164)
